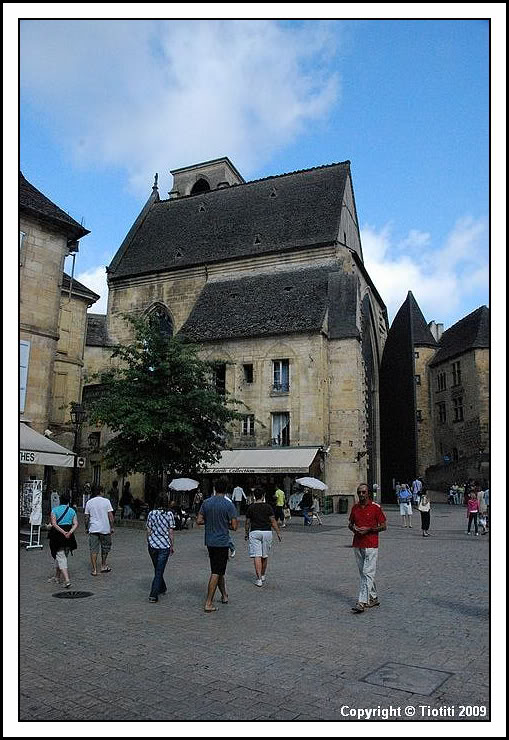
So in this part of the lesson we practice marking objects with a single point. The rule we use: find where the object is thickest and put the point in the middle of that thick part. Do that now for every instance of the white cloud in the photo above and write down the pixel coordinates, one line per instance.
(442, 278)
(153, 94)
(95, 279)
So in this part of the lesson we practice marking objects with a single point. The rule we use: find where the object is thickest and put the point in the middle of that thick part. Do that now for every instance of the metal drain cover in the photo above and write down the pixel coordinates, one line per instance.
(410, 678)
(72, 594)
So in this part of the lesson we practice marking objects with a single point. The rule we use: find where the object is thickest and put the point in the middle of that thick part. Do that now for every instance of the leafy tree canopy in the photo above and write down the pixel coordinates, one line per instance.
(162, 405)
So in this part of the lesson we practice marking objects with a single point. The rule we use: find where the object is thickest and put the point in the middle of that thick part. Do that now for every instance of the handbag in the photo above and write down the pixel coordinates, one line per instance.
(286, 512)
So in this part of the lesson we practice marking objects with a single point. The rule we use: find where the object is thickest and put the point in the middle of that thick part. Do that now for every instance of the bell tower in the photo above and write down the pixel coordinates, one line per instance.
(204, 177)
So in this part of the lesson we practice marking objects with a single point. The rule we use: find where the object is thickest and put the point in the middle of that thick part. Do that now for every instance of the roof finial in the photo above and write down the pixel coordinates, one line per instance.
(154, 186)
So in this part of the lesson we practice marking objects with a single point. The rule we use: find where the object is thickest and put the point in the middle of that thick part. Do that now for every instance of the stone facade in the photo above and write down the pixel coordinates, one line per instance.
(51, 331)
(465, 429)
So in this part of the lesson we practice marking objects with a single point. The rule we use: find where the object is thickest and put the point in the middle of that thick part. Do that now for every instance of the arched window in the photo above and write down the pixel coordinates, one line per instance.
(200, 186)
(160, 318)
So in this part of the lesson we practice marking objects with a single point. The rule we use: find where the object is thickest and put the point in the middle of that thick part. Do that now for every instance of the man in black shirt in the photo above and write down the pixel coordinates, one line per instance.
(260, 521)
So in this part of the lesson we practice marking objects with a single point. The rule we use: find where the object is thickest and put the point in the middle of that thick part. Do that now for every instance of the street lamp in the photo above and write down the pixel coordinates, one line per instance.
(78, 416)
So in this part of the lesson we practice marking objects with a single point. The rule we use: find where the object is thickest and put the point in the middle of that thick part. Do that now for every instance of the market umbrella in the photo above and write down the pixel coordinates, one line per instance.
(312, 483)
(183, 484)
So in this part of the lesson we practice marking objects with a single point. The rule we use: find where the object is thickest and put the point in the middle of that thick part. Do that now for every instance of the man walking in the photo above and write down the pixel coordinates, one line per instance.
(99, 526)
(366, 521)
(219, 516)
(238, 496)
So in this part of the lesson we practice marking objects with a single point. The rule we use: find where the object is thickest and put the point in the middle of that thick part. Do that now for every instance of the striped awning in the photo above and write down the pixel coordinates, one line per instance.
(272, 460)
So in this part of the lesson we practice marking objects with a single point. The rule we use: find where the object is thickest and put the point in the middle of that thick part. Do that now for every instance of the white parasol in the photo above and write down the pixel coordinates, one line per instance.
(312, 483)
(183, 484)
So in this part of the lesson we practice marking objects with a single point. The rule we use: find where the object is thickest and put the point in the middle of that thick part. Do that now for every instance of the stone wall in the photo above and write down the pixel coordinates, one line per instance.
(425, 439)
(42, 262)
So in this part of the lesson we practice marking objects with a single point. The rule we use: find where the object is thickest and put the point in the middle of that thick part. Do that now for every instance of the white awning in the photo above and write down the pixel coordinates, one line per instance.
(272, 460)
(36, 449)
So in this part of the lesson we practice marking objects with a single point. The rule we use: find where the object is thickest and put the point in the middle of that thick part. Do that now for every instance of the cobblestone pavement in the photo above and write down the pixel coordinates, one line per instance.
(291, 650)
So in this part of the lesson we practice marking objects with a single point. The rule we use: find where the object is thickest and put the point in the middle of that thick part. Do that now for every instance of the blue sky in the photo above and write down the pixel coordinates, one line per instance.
(407, 101)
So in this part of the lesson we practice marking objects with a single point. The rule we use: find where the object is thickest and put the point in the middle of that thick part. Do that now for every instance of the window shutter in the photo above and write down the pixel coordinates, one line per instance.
(24, 355)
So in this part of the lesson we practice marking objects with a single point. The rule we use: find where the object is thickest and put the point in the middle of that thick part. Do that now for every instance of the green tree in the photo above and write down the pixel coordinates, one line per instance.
(162, 405)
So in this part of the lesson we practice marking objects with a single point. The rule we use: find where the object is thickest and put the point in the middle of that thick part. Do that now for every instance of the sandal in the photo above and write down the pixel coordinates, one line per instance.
(207, 611)
(106, 570)
(224, 601)
(358, 608)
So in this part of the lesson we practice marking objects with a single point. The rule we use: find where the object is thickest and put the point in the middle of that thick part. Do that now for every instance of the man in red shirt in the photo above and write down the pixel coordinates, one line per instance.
(366, 521)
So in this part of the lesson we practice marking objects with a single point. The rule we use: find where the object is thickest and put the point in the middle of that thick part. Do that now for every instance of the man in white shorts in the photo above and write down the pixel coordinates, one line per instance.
(260, 521)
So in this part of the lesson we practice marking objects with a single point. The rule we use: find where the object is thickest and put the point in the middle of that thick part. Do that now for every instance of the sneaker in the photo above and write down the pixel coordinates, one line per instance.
(232, 553)
(68, 584)
(263, 579)
(259, 582)
(358, 608)
(477, 534)
(467, 532)
(152, 599)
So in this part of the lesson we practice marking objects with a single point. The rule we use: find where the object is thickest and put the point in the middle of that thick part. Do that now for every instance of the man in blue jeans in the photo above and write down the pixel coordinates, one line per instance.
(160, 529)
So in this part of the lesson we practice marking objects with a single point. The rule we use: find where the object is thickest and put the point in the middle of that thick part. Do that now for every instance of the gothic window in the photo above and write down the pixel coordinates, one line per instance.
(442, 417)
(200, 186)
(160, 319)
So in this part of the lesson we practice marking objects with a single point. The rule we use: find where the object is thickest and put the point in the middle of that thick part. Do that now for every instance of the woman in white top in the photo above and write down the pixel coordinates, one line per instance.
(424, 507)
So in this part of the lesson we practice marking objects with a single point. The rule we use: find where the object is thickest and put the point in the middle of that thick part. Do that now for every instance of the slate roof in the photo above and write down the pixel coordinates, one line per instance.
(97, 334)
(33, 201)
(470, 332)
(78, 287)
(270, 215)
(275, 303)
(421, 333)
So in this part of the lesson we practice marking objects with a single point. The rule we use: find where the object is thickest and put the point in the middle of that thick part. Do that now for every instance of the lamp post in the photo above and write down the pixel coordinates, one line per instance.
(78, 416)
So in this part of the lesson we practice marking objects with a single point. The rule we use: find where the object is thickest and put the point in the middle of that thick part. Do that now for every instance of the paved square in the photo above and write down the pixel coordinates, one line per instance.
(408, 678)
(290, 651)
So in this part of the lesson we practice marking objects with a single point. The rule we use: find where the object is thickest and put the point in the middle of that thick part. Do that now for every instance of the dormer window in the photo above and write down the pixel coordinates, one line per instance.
(179, 254)
(273, 193)
(257, 239)
(201, 208)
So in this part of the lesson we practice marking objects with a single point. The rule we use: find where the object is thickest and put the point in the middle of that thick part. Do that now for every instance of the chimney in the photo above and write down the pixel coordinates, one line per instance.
(436, 330)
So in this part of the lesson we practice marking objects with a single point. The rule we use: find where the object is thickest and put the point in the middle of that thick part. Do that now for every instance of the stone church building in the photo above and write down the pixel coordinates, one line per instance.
(268, 278)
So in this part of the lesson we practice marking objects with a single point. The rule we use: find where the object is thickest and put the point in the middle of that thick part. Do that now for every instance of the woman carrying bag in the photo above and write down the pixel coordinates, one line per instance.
(62, 541)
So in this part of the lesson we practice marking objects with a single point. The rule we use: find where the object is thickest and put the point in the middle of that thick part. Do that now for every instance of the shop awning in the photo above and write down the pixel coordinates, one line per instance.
(36, 449)
(273, 460)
